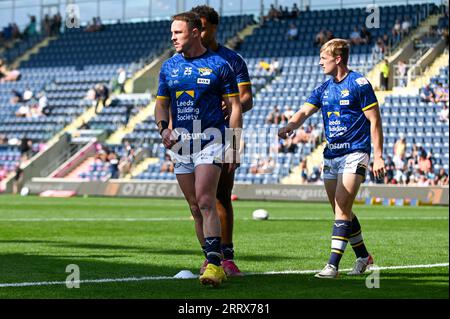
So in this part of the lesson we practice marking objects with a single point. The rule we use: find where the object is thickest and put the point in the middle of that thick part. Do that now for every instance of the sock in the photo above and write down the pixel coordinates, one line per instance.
(356, 239)
(213, 250)
(227, 251)
(204, 250)
(341, 232)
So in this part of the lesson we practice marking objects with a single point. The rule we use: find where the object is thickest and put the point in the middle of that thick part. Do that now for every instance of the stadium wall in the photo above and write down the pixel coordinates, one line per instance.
(373, 194)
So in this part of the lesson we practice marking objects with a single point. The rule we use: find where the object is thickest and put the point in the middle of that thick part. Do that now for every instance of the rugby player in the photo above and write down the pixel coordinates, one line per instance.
(351, 118)
(193, 83)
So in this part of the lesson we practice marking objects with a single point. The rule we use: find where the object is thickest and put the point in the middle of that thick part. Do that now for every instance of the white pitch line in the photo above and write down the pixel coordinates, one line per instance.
(150, 278)
(163, 219)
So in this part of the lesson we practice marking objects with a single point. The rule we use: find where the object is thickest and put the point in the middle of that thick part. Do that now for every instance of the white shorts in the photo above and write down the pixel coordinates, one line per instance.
(186, 164)
(353, 163)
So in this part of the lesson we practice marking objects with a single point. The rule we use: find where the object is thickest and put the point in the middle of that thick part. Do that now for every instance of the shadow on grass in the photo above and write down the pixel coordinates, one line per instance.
(140, 249)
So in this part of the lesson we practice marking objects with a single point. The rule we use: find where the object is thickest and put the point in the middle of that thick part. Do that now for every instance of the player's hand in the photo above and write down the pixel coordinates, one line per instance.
(226, 113)
(379, 169)
(285, 131)
(168, 138)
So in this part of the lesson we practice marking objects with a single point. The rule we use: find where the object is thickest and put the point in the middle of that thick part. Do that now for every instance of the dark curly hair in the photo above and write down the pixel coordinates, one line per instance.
(208, 13)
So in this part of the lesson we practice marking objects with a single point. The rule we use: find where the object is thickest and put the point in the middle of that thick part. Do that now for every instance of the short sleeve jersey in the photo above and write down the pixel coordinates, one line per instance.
(195, 87)
(343, 103)
(237, 63)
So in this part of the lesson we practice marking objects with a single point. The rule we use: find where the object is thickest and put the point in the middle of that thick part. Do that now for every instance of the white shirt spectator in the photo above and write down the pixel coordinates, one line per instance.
(405, 26)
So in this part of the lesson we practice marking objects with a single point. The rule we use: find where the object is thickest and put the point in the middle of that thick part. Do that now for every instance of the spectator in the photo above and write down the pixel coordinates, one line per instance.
(43, 102)
(274, 68)
(427, 94)
(365, 35)
(424, 163)
(127, 161)
(295, 12)
(390, 171)
(121, 78)
(167, 165)
(303, 171)
(16, 97)
(355, 38)
(30, 29)
(443, 114)
(301, 136)
(423, 181)
(440, 93)
(274, 116)
(287, 114)
(18, 179)
(27, 94)
(320, 38)
(400, 147)
(287, 145)
(441, 178)
(95, 26)
(396, 31)
(378, 50)
(8, 76)
(101, 95)
(273, 14)
(25, 148)
(384, 75)
(387, 43)
(406, 25)
(46, 25)
(113, 160)
(401, 73)
(292, 33)
(23, 111)
(315, 134)
(329, 36)
(55, 24)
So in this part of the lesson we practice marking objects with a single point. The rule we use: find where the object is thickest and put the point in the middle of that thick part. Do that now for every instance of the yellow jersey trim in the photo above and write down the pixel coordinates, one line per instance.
(231, 94)
(306, 103)
(370, 106)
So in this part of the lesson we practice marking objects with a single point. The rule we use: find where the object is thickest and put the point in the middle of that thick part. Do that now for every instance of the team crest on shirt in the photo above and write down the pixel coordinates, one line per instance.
(345, 93)
(362, 81)
(205, 71)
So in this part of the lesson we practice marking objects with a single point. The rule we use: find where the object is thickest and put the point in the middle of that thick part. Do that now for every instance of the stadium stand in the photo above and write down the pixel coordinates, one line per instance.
(74, 63)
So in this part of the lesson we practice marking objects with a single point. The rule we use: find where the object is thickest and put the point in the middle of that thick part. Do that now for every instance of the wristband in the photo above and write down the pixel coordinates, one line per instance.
(162, 125)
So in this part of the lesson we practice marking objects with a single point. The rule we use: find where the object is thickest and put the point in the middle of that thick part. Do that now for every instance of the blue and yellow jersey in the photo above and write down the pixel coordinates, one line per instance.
(237, 63)
(195, 87)
(347, 130)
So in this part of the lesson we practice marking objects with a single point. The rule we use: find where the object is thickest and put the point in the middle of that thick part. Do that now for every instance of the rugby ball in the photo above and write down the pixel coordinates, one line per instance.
(260, 214)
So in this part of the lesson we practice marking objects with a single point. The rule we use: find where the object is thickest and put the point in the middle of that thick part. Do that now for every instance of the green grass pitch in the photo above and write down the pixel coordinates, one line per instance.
(114, 238)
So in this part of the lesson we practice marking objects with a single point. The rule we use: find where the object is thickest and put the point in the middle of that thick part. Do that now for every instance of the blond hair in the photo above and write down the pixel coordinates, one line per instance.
(337, 47)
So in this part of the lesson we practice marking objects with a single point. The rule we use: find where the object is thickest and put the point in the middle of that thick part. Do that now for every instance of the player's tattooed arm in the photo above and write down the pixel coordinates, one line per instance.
(297, 120)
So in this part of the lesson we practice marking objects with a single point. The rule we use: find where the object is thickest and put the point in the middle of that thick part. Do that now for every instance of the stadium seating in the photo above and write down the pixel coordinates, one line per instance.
(419, 122)
(270, 39)
(19, 47)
